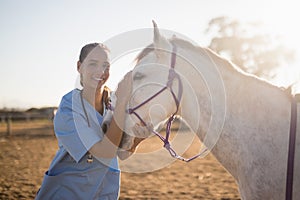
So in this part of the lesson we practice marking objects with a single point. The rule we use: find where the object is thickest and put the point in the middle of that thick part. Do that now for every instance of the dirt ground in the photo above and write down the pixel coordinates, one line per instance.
(24, 159)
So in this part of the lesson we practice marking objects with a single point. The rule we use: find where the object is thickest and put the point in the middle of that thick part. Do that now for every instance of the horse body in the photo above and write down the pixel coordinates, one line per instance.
(253, 143)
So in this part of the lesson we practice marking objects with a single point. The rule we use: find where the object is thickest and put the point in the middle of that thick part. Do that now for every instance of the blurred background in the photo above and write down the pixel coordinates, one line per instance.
(40, 41)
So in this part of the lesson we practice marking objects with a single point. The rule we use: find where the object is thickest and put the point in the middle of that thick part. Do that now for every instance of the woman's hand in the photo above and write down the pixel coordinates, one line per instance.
(123, 94)
(124, 89)
(108, 146)
(142, 132)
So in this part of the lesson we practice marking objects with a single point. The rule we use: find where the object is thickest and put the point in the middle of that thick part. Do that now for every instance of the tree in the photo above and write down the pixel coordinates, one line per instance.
(252, 51)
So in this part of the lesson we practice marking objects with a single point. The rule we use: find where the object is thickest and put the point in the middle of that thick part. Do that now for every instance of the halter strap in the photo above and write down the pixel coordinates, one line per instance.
(177, 98)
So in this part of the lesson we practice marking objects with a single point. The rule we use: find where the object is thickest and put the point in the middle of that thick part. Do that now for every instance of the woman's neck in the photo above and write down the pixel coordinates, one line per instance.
(94, 97)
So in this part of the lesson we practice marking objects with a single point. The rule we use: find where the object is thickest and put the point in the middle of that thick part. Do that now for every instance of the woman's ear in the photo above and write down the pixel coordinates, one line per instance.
(78, 66)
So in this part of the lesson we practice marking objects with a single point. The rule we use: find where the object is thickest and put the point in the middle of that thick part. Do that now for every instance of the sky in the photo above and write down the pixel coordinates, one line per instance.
(40, 41)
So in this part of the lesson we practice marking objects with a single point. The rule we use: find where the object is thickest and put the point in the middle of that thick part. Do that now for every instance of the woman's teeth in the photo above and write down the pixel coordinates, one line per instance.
(98, 79)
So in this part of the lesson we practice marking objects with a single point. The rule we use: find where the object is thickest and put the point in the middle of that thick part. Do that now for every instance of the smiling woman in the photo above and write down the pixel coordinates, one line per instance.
(94, 62)
(87, 156)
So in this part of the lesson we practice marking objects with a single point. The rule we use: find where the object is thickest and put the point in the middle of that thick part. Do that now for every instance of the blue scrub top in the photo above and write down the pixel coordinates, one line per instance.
(70, 176)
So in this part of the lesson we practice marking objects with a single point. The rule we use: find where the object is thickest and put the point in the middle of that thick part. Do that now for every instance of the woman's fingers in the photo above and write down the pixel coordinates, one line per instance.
(150, 126)
(124, 87)
(141, 131)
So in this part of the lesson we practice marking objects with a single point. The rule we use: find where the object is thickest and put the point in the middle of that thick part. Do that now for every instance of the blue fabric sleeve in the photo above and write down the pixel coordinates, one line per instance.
(73, 133)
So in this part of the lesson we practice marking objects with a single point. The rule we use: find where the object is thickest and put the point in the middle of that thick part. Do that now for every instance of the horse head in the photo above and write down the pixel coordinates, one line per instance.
(152, 99)
(173, 77)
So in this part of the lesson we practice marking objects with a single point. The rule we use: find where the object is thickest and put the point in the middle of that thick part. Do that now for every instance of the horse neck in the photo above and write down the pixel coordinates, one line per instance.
(203, 88)
(249, 102)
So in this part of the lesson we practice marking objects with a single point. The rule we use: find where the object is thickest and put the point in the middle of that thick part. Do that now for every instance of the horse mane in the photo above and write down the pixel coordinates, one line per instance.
(207, 52)
(217, 58)
(188, 45)
(144, 52)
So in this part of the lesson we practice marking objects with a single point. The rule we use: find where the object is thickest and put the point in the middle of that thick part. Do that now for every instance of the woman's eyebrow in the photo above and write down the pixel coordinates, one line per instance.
(93, 60)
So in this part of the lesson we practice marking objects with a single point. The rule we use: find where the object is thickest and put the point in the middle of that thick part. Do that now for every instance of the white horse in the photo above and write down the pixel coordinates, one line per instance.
(254, 139)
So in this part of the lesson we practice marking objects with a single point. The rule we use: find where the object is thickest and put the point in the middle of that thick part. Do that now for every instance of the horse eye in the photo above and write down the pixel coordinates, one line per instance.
(138, 76)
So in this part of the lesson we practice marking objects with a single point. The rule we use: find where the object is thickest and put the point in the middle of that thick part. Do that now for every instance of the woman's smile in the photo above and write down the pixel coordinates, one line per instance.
(98, 79)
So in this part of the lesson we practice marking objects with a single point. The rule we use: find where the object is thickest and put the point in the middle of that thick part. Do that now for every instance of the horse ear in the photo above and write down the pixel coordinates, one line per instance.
(159, 41)
(156, 33)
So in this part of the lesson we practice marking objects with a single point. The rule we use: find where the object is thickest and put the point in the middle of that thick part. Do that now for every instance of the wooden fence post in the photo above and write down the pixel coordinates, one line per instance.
(3, 119)
(9, 123)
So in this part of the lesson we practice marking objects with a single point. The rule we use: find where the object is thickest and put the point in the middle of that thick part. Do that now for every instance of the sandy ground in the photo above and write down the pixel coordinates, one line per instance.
(25, 158)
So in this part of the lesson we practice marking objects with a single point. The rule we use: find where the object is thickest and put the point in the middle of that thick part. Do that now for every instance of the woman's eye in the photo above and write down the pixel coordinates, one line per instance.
(106, 67)
(138, 76)
(93, 64)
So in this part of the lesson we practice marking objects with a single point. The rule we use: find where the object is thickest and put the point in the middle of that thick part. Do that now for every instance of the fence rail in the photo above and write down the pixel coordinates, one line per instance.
(24, 123)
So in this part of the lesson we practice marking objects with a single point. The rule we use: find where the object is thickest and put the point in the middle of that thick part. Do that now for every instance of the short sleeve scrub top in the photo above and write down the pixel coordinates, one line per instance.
(77, 126)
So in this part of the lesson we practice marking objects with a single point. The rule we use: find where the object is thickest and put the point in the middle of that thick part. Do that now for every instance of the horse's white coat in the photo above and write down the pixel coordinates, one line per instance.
(253, 145)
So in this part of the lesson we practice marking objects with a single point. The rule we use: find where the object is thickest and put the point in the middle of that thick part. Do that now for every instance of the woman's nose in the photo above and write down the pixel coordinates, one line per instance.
(100, 69)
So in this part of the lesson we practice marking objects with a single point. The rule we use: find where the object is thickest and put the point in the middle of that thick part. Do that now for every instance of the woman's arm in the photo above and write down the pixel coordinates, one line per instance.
(108, 146)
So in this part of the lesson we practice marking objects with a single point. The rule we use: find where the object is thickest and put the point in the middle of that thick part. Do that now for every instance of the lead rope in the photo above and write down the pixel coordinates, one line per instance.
(291, 153)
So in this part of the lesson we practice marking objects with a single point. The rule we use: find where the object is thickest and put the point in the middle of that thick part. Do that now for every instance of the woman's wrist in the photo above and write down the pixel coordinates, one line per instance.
(132, 149)
(136, 142)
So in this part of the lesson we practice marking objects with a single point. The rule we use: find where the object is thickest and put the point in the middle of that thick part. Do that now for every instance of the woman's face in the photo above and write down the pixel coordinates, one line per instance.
(94, 70)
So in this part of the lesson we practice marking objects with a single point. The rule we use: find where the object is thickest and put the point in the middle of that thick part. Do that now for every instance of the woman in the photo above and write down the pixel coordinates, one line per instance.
(85, 166)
